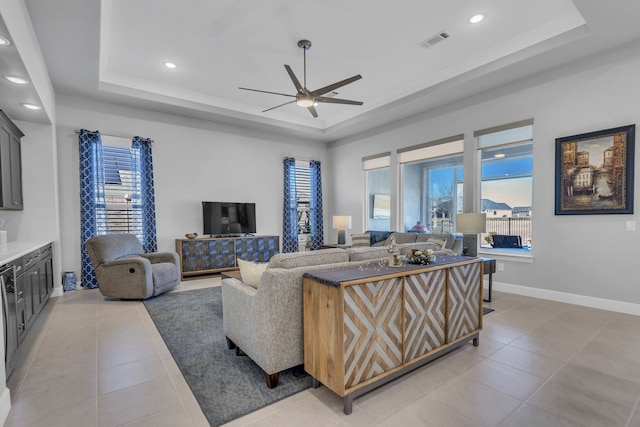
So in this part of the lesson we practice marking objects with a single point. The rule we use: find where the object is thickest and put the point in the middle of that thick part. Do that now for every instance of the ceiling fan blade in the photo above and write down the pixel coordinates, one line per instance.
(278, 106)
(296, 83)
(266, 91)
(313, 111)
(336, 100)
(334, 86)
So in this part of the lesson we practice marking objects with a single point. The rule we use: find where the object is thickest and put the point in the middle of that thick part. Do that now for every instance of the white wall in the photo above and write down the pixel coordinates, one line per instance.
(587, 255)
(193, 161)
(38, 221)
(39, 218)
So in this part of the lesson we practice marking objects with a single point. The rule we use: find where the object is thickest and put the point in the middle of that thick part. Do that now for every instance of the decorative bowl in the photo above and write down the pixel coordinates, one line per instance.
(415, 256)
(191, 235)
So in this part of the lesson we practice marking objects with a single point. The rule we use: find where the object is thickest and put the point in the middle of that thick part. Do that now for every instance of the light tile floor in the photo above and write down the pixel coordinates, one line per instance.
(96, 362)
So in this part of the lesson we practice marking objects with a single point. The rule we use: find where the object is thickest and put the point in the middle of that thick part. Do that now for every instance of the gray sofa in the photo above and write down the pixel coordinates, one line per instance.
(266, 322)
(382, 239)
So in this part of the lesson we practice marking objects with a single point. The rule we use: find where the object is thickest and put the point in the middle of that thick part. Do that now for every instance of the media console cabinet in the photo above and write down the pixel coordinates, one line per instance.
(216, 254)
(364, 327)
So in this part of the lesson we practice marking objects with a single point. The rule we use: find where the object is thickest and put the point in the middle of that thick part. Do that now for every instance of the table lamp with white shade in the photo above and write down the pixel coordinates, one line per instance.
(470, 224)
(342, 223)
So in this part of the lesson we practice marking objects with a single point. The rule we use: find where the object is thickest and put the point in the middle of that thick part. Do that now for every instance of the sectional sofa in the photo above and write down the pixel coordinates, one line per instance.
(383, 238)
(266, 321)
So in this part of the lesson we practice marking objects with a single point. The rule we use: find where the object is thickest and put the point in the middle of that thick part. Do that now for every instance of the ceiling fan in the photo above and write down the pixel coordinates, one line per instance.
(310, 98)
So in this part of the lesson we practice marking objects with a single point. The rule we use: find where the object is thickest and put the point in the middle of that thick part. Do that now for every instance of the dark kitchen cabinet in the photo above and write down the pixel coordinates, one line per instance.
(10, 164)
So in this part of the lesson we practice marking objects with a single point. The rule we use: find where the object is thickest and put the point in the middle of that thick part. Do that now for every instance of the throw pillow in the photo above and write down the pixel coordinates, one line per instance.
(251, 272)
(440, 242)
(401, 238)
(363, 239)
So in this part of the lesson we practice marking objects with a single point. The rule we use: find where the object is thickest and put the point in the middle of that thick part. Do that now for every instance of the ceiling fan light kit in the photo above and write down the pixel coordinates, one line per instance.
(304, 101)
(306, 98)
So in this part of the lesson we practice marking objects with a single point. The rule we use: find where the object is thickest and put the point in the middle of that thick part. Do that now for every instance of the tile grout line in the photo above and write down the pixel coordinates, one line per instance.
(559, 369)
(146, 320)
(524, 402)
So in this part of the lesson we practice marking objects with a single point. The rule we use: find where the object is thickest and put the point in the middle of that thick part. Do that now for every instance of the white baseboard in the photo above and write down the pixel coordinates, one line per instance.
(5, 405)
(58, 291)
(593, 302)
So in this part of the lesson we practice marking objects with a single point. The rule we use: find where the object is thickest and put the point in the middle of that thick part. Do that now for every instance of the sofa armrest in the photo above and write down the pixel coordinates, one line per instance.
(237, 291)
(126, 262)
(237, 321)
(158, 257)
(127, 278)
(457, 247)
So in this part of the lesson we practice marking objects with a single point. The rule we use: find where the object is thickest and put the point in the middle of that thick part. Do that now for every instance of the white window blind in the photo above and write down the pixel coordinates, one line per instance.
(303, 196)
(511, 133)
(431, 150)
(121, 217)
(377, 161)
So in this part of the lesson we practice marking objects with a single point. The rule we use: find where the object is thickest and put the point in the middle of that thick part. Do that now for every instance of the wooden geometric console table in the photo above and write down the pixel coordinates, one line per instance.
(364, 327)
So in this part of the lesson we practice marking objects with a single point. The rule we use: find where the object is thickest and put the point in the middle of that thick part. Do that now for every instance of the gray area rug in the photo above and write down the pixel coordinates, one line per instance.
(226, 386)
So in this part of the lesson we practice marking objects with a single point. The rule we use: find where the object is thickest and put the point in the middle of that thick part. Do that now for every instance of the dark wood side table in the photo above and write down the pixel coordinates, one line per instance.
(235, 274)
(489, 267)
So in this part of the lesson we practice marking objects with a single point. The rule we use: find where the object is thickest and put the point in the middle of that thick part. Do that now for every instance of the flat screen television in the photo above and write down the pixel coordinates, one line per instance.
(225, 218)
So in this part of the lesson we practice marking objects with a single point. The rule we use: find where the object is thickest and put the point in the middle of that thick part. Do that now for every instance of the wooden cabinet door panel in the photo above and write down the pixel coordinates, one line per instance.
(463, 293)
(424, 313)
(372, 329)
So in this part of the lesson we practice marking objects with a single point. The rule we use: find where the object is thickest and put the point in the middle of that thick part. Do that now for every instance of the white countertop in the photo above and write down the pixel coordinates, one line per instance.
(12, 250)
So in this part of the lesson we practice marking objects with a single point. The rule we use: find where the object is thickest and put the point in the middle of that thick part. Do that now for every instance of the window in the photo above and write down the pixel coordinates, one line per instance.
(432, 178)
(378, 192)
(302, 219)
(121, 217)
(303, 196)
(116, 195)
(506, 190)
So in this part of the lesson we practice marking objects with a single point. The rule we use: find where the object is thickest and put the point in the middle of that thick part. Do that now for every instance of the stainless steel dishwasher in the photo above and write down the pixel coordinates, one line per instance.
(10, 298)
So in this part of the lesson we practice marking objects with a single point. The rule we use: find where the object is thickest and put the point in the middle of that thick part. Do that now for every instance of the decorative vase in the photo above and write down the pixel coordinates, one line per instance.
(69, 281)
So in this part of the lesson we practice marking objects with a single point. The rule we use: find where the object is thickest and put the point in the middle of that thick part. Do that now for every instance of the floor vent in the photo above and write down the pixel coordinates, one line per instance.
(435, 39)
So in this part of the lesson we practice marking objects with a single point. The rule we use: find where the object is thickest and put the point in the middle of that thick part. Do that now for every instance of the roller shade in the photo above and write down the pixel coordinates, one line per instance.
(377, 161)
(430, 150)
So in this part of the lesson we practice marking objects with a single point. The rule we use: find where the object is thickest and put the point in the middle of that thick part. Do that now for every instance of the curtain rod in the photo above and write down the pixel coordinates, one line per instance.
(301, 158)
(114, 136)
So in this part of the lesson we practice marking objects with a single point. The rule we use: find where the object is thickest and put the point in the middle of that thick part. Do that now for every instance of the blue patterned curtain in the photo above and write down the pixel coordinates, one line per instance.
(143, 200)
(290, 210)
(93, 206)
(315, 205)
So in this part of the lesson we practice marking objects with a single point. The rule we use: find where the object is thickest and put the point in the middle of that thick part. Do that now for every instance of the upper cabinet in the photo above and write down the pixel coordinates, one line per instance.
(10, 164)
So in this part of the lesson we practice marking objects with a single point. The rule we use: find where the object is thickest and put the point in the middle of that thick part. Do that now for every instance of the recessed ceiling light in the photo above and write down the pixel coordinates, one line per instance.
(31, 106)
(4, 41)
(15, 79)
(170, 65)
(476, 18)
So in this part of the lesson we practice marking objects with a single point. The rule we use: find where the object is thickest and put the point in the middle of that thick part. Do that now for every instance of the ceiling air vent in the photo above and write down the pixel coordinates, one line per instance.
(434, 39)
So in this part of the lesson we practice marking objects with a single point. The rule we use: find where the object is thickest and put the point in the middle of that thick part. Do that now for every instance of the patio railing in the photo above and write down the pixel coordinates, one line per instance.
(511, 226)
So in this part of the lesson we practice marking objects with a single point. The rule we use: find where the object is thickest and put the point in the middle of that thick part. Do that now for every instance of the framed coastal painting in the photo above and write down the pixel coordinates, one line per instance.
(594, 172)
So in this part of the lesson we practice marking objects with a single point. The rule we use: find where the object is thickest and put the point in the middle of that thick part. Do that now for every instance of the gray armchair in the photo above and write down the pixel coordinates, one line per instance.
(124, 271)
